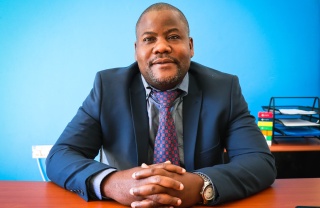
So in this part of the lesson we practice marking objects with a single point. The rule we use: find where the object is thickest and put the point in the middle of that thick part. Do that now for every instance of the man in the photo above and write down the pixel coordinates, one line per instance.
(123, 116)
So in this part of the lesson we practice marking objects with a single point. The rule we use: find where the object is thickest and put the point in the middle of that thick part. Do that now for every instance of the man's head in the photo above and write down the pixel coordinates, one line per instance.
(163, 48)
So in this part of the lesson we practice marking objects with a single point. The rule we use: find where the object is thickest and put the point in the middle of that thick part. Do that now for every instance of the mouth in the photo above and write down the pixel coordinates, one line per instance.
(162, 61)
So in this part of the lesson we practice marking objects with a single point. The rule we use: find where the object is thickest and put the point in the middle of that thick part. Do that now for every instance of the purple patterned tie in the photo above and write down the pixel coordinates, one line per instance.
(166, 142)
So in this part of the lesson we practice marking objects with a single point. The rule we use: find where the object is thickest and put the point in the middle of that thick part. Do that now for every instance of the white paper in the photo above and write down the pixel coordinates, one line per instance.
(297, 122)
(296, 111)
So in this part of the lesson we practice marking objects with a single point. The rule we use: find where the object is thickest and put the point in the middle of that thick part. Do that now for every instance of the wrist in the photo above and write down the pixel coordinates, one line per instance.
(208, 192)
(106, 186)
(199, 184)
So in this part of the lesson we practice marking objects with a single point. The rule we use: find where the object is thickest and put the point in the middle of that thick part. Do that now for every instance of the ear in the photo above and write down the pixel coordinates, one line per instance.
(191, 47)
(135, 50)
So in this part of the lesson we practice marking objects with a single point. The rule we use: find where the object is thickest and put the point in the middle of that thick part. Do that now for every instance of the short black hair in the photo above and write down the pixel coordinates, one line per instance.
(164, 6)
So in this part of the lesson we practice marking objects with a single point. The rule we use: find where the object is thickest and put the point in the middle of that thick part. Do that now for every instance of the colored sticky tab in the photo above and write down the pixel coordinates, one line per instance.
(265, 128)
(265, 119)
(268, 138)
(265, 114)
(268, 133)
(265, 123)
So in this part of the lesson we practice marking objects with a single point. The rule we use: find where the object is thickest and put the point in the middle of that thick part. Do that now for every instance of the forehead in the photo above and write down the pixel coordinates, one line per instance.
(153, 21)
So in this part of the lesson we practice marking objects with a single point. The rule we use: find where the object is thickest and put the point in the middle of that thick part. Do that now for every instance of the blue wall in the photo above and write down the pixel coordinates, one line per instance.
(51, 50)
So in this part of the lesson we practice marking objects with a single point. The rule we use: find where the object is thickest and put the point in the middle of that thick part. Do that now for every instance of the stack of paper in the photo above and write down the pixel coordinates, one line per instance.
(297, 122)
(296, 112)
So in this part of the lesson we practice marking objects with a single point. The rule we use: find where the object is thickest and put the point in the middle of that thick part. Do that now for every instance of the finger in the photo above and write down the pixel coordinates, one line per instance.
(167, 182)
(169, 166)
(145, 190)
(154, 201)
(158, 170)
(153, 182)
(144, 203)
(165, 199)
(148, 203)
(152, 165)
(143, 165)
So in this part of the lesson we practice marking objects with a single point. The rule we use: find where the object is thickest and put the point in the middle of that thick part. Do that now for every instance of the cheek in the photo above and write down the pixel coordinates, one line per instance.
(142, 61)
(142, 57)
(142, 52)
(185, 57)
(185, 52)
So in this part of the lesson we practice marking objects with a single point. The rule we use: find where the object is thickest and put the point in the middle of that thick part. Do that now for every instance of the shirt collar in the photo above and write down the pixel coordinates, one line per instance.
(182, 86)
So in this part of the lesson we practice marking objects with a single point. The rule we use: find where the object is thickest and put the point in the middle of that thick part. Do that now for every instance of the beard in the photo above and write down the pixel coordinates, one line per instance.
(166, 81)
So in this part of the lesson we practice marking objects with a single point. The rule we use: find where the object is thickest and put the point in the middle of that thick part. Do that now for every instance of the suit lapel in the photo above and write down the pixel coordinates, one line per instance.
(140, 119)
(191, 113)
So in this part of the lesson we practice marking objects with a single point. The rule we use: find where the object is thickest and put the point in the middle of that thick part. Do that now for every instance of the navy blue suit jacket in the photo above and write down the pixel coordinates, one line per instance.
(215, 117)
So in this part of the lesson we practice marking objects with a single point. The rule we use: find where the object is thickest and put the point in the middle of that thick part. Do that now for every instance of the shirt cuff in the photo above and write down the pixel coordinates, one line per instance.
(96, 180)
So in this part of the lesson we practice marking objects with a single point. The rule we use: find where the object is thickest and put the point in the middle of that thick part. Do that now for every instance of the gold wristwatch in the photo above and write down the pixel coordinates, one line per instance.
(207, 192)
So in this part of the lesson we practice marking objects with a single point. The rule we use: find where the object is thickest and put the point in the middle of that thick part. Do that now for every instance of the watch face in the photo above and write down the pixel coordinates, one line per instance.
(209, 193)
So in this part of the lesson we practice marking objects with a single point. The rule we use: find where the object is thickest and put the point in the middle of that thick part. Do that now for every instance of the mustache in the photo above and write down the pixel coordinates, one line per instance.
(174, 60)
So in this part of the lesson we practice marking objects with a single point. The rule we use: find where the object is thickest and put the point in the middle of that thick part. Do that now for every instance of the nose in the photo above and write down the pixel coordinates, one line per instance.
(162, 46)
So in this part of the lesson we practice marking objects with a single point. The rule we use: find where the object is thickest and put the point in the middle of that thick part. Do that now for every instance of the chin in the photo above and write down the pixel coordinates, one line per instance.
(165, 73)
(168, 81)
(164, 78)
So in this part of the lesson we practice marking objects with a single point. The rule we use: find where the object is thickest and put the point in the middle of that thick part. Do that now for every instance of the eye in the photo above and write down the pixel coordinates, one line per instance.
(174, 37)
(149, 39)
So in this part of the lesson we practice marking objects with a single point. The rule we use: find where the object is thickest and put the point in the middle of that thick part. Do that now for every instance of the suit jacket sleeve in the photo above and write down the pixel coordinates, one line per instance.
(251, 166)
(70, 162)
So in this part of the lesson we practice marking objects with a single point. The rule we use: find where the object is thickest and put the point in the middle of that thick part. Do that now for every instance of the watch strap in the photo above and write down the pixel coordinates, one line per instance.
(207, 183)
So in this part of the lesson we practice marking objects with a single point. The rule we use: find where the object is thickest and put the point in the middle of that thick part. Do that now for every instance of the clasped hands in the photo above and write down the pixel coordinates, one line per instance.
(157, 185)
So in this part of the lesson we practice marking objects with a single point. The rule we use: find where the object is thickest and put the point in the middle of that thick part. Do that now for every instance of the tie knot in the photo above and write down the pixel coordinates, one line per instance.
(166, 98)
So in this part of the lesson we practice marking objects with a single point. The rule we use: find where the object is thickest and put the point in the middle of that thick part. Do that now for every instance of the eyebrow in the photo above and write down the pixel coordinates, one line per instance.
(166, 32)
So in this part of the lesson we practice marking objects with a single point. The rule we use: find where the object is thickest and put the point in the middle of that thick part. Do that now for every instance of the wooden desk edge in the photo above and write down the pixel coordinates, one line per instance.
(297, 145)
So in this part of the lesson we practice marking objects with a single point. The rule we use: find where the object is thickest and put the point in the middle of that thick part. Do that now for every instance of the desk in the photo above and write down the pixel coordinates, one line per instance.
(297, 157)
(295, 145)
(283, 193)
